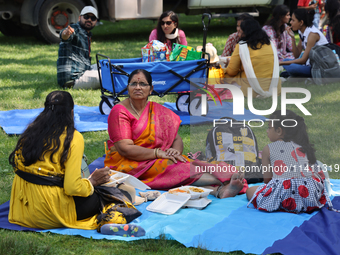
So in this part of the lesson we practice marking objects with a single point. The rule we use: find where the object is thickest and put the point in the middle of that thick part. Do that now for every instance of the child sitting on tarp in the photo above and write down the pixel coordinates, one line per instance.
(216, 73)
(293, 180)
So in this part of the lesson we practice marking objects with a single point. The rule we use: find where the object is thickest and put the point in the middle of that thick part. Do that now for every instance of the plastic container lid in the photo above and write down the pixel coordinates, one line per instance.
(119, 177)
(116, 178)
(197, 203)
(168, 203)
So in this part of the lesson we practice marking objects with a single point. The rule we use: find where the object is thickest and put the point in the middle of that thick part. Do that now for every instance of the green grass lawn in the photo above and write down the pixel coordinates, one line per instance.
(28, 74)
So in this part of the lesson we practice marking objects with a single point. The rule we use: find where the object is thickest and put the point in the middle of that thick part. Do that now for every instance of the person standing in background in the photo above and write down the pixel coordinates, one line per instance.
(315, 5)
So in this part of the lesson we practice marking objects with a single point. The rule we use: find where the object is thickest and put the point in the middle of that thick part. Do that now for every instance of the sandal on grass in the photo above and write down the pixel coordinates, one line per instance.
(126, 230)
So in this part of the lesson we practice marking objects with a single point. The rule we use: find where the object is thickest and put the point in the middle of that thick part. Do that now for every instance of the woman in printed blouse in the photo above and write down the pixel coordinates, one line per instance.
(167, 30)
(276, 29)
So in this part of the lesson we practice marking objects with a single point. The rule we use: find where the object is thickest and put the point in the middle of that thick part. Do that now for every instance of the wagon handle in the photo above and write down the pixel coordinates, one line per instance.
(205, 29)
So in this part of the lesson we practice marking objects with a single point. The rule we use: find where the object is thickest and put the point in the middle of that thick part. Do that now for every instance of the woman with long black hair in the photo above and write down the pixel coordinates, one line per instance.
(302, 21)
(276, 30)
(332, 29)
(48, 190)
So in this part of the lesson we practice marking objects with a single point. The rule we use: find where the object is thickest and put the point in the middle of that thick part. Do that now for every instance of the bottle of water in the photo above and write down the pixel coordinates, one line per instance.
(337, 57)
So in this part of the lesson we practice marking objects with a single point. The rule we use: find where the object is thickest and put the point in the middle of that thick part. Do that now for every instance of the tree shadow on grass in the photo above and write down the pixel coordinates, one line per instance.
(140, 29)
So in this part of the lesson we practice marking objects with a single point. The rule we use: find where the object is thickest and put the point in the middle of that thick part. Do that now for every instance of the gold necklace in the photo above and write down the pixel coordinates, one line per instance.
(133, 108)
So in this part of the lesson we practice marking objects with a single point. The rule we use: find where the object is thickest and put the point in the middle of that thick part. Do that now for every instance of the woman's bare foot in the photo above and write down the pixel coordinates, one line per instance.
(233, 187)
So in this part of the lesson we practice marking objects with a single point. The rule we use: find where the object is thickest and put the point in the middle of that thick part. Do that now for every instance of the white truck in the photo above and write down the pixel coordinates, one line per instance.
(45, 18)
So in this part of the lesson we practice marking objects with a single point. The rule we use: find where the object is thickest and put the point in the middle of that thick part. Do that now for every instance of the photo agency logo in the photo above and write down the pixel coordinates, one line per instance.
(238, 104)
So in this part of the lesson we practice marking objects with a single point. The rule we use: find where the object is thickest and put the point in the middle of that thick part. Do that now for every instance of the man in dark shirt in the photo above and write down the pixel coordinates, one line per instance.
(74, 57)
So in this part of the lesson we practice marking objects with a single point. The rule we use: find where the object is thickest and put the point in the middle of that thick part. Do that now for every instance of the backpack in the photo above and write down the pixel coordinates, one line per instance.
(325, 65)
(335, 48)
(235, 143)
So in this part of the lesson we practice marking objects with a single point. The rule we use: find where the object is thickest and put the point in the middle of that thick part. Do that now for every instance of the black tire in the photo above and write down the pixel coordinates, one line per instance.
(264, 15)
(55, 15)
(182, 102)
(262, 19)
(104, 108)
(195, 107)
(106, 105)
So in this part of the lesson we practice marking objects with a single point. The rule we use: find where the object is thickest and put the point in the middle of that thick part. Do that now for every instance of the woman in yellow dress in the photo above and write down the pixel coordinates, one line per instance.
(48, 190)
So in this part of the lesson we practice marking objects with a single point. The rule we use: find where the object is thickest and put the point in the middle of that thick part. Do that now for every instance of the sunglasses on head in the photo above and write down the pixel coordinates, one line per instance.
(86, 16)
(166, 22)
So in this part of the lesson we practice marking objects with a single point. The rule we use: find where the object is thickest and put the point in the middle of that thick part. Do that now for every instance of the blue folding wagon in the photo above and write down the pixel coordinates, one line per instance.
(167, 78)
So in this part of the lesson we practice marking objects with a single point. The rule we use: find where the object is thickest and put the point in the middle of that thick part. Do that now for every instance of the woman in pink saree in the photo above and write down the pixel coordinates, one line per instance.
(144, 143)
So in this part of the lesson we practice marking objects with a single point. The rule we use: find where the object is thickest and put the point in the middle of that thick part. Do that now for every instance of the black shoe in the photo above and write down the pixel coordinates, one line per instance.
(284, 74)
(69, 84)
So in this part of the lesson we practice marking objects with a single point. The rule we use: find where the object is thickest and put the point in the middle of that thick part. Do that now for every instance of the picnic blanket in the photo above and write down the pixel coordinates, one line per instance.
(14, 122)
(88, 119)
(228, 225)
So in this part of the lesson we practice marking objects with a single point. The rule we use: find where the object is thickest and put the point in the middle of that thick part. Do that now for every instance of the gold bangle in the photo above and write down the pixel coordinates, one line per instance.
(154, 152)
(157, 152)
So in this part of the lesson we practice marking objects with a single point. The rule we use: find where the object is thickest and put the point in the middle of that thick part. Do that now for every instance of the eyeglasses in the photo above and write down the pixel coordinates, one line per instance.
(141, 84)
(86, 16)
(166, 22)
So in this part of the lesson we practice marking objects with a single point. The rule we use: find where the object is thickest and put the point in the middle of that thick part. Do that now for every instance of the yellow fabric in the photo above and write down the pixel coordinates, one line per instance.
(40, 206)
(215, 75)
(263, 64)
(111, 216)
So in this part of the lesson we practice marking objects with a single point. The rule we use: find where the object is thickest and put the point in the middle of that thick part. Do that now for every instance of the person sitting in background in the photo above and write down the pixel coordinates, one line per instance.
(48, 190)
(74, 69)
(254, 58)
(302, 20)
(167, 30)
(234, 38)
(144, 142)
(332, 29)
(309, 5)
(276, 30)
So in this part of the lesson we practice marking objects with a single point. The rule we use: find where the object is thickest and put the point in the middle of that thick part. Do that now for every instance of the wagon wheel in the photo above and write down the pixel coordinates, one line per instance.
(182, 102)
(106, 104)
(195, 106)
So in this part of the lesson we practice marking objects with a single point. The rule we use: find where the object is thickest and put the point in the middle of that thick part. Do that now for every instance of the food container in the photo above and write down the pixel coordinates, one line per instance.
(195, 192)
(200, 203)
(118, 177)
(168, 203)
